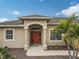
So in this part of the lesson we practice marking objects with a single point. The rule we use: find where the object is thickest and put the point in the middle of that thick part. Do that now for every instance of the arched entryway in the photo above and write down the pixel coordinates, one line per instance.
(35, 34)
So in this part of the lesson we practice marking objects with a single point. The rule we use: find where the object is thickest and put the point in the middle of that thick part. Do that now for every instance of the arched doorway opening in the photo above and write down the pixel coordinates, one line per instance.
(35, 34)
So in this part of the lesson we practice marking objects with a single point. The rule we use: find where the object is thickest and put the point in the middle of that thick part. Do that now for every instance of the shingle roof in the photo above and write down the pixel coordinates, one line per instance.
(18, 22)
(13, 22)
(54, 20)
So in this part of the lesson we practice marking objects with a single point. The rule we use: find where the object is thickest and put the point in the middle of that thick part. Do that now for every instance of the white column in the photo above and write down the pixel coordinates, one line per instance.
(26, 40)
(44, 39)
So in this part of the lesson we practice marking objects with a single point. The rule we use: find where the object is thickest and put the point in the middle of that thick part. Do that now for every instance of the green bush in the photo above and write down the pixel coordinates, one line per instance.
(5, 54)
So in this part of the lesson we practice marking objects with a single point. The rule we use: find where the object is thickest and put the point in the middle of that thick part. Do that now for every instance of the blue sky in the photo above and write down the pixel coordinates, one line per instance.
(11, 9)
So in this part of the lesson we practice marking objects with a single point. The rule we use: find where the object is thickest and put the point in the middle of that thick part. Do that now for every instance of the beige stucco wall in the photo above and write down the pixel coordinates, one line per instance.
(53, 42)
(18, 41)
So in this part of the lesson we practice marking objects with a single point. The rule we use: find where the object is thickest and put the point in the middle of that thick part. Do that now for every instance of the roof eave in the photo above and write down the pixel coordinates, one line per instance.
(26, 18)
(52, 24)
(11, 25)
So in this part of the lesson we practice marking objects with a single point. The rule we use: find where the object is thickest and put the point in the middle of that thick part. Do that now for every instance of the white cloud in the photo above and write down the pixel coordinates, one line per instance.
(41, 0)
(57, 14)
(4, 19)
(69, 11)
(14, 12)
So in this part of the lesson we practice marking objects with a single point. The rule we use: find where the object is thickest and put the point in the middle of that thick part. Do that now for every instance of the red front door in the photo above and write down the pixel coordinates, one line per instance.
(36, 37)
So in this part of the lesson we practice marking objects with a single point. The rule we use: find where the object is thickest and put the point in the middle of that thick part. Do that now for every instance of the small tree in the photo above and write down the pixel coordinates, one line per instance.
(70, 29)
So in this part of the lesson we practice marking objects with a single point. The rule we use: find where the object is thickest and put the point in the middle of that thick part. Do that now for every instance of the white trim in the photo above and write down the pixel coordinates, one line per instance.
(35, 17)
(53, 23)
(53, 40)
(5, 34)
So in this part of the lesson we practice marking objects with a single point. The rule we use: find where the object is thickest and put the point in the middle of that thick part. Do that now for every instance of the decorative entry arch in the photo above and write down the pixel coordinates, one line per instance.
(35, 33)
(43, 25)
(35, 26)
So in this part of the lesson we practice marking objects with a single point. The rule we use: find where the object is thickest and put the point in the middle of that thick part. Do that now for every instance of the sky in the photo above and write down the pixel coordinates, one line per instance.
(12, 9)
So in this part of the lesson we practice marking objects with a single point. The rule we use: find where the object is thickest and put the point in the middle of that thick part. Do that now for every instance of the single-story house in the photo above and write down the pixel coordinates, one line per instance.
(29, 30)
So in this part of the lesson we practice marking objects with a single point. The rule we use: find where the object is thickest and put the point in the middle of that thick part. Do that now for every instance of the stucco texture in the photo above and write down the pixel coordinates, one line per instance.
(18, 41)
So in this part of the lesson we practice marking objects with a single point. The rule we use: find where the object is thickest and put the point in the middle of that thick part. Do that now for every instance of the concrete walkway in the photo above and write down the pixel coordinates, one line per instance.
(39, 51)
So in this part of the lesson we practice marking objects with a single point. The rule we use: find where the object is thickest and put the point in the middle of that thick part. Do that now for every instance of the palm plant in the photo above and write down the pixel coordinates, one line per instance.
(70, 29)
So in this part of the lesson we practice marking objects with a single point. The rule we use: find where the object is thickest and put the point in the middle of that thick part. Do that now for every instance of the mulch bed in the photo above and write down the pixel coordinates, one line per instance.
(57, 48)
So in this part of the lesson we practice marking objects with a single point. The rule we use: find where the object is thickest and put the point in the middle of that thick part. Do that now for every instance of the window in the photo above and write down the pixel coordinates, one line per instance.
(55, 36)
(9, 34)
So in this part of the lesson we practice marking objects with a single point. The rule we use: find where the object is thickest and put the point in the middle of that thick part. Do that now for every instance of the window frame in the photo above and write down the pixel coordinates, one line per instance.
(54, 40)
(5, 34)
